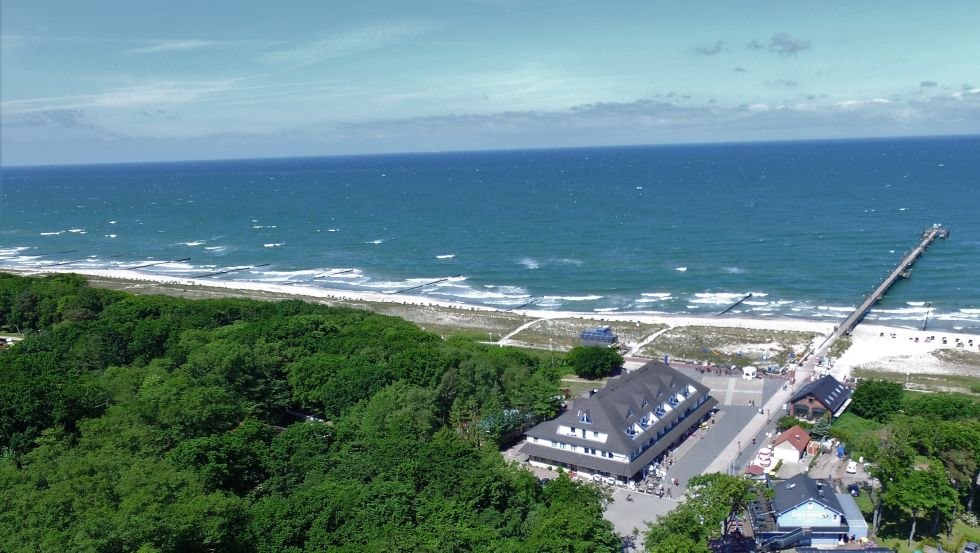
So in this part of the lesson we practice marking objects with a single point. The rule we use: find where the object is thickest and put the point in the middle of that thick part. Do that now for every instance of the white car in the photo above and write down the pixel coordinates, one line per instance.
(852, 467)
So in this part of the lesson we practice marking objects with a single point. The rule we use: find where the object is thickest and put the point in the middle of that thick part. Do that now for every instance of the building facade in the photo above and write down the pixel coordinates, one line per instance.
(619, 430)
(824, 396)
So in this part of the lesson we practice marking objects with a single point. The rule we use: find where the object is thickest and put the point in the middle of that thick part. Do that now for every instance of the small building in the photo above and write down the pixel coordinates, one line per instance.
(823, 396)
(602, 336)
(619, 430)
(805, 512)
(789, 446)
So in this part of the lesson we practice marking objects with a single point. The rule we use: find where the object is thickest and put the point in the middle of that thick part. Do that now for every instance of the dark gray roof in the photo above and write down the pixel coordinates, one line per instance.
(799, 489)
(618, 405)
(619, 468)
(827, 390)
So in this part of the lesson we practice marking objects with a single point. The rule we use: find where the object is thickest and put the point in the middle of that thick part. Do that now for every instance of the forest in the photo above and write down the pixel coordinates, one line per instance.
(151, 424)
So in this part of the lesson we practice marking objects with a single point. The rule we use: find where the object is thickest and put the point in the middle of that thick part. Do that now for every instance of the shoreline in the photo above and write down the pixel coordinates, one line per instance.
(874, 348)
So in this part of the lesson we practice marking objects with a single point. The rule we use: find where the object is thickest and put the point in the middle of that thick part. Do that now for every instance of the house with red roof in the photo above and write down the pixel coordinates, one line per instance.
(790, 446)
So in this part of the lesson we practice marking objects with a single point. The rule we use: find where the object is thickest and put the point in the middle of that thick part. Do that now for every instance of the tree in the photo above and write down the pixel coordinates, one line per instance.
(877, 399)
(593, 362)
(921, 490)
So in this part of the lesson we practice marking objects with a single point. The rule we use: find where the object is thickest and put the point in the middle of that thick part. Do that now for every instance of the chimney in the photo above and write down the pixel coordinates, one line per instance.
(820, 487)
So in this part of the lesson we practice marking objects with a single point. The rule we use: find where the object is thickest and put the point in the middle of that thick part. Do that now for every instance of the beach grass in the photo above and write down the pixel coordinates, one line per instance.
(930, 382)
(563, 334)
(730, 345)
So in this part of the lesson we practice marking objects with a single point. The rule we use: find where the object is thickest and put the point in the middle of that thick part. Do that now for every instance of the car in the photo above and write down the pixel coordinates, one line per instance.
(852, 467)
(971, 547)
(854, 489)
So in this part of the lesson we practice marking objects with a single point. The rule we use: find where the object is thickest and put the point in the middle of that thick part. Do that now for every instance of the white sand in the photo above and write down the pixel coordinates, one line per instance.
(895, 350)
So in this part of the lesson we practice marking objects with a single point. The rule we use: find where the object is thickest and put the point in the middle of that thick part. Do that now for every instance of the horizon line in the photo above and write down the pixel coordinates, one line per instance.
(491, 150)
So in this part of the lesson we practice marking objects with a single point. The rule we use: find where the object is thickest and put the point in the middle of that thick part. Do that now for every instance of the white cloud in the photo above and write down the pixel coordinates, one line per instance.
(156, 94)
(157, 46)
(350, 42)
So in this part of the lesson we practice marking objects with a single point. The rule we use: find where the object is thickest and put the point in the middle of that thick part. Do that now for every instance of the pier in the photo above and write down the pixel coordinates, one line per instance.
(902, 270)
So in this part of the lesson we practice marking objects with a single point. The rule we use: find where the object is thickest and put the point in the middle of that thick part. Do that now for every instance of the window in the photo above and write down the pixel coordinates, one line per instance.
(629, 412)
(584, 417)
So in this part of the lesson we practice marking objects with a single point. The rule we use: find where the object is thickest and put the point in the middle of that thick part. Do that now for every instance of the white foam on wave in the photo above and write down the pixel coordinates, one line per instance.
(274, 244)
(52, 233)
(111, 235)
(112, 222)
(375, 242)
(755, 303)
(529, 263)
(569, 261)
(194, 243)
(605, 309)
(446, 256)
(835, 309)
(10, 252)
(716, 298)
(215, 249)
(574, 298)
(77, 230)
(681, 269)
(657, 295)
(734, 270)
(970, 311)
(915, 303)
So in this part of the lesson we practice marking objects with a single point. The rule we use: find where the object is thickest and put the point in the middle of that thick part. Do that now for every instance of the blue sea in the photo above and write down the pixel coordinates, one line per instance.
(808, 228)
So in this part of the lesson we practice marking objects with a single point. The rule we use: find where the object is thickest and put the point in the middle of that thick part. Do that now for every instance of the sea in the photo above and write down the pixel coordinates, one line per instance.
(808, 228)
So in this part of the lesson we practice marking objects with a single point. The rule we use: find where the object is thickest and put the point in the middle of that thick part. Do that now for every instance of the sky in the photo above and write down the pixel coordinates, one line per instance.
(142, 80)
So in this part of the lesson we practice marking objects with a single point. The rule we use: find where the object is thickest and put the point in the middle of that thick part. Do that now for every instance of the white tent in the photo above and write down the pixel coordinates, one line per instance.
(748, 373)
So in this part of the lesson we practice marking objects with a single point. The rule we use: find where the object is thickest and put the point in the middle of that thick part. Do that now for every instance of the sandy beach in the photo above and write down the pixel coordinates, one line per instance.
(937, 359)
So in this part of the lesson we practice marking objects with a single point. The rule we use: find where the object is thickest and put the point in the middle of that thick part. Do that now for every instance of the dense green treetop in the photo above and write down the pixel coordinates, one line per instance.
(593, 361)
(158, 424)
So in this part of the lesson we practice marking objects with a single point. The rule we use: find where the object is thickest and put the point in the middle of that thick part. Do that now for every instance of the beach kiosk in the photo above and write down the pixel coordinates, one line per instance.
(602, 336)
(748, 373)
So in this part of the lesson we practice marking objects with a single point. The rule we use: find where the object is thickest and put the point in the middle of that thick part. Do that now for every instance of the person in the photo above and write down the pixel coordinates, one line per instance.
(629, 497)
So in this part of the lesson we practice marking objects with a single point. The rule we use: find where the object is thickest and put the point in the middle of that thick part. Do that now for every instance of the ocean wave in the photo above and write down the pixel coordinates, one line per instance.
(446, 256)
(717, 298)
(970, 311)
(915, 303)
(657, 295)
(6, 252)
(569, 261)
(76, 230)
(605, 309)
(836, 309)
(681, 269)
(215, 248)
(194, 243)
(379, 241)
(53, 233)
(734, 270)
(274, 245)
(903, 311)
(112, 222)
(529, 263)
(574, 298)
(111, 235)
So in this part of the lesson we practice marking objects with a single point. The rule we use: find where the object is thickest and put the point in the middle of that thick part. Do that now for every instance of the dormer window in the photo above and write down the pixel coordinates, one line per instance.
(659, 391)
(584, 417)
(629, 412)
(644, 403)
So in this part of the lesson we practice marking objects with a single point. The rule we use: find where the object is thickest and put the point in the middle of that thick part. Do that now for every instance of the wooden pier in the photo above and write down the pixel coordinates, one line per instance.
(902, 270)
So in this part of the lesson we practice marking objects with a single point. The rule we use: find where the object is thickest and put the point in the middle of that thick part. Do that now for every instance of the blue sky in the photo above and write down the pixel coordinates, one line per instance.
(142, 80)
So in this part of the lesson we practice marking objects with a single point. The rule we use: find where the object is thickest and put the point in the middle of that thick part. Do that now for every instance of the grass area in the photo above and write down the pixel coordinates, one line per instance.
(854, 431)
(864, 503)
(895, 535)
(564, 333)
(840, 346)
(578, 385)
(958, 357)
(724, 344)
(961, 383)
